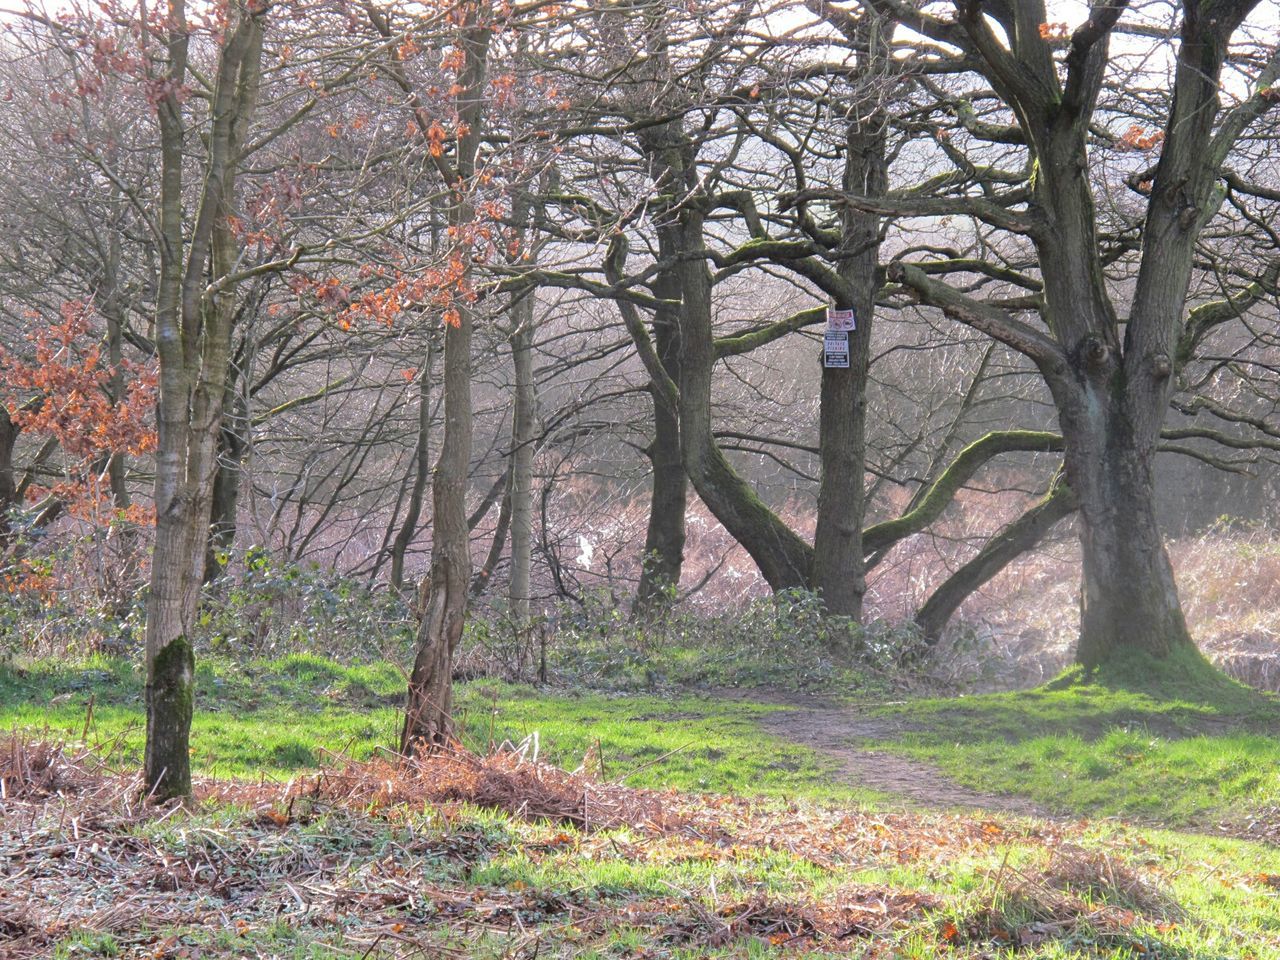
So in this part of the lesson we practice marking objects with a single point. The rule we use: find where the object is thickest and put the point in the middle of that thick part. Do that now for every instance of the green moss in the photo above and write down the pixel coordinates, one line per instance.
(1184, 675)
(170, 702)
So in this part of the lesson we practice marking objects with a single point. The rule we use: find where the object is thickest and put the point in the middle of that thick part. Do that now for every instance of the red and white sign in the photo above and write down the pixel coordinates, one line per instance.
(840, 320)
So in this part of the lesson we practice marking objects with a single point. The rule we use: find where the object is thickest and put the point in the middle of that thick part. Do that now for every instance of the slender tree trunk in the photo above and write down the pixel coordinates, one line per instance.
(193, 338)
(429, 707)
(421, 472)
(524, 424)
(838, 562)
(480, 582)
(8, 482)
(428, 713)
(225, 498)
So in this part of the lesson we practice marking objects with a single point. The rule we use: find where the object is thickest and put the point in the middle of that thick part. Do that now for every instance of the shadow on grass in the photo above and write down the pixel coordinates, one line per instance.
(1172, 740)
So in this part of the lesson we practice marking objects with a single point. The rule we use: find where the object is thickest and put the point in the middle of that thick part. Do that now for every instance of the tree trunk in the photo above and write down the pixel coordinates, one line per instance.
(523, 427)
(226, 492)
(1128, 598)
(429, 707)
(421, 472)
(784, 559)
(838, 562)
(193, 338)
(480, 582)
(8, 482)
(663, 557)
(428, 712)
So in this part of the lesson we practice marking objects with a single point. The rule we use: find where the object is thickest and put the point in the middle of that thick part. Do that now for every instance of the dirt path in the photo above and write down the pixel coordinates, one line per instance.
(833, 732)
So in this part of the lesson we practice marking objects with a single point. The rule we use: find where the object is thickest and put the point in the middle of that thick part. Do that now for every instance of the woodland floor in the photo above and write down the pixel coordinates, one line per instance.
(1084, 822)
(835, 732)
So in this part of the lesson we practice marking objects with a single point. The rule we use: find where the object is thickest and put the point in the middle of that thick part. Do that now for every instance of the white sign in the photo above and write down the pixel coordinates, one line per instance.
(840, 320)
(835, 350)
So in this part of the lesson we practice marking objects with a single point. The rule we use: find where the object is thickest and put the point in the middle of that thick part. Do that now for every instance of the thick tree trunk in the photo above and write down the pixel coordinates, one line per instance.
(838, 562)
(663, 557)
(1128, 597)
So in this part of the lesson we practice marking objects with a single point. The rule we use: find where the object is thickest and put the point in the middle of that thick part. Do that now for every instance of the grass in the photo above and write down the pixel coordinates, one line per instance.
(809, 880)
(804, 869)
(276, 718)
(1190, 748)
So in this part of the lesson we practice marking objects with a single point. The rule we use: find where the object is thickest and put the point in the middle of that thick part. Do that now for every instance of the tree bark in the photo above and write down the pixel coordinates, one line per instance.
(1128, 596)
(193, 339)
(663, 557)
(421, 472)
(225, 499)
(1111, 392)
(8, 482)
(428, 712)
(480, 582)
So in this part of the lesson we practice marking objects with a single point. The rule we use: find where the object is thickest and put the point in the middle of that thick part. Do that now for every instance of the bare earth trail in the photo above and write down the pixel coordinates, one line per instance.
(833, 732)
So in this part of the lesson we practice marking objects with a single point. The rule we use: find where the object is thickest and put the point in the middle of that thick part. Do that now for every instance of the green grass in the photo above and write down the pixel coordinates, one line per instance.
(277, 718)
(1182, 749)
(476, 884)
(447, 876)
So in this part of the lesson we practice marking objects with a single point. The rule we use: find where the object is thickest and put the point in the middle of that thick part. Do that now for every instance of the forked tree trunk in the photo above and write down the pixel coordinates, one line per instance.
(784, 559)
(193, 339)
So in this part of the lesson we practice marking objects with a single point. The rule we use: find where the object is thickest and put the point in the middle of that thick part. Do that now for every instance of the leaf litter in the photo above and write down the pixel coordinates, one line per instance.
(380, 859)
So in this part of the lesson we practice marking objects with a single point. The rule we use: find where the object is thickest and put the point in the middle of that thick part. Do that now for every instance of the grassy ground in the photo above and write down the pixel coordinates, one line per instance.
(249, 877)
(1174, 750)
(802, 867)
(276, 718)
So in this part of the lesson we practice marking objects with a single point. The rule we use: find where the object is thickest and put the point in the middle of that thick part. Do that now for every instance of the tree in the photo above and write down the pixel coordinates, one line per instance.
(1111, 371)
(428, 711)
(193, 342)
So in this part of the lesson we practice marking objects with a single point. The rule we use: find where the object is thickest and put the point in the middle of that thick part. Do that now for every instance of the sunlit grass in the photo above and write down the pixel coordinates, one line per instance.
(278, 718)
